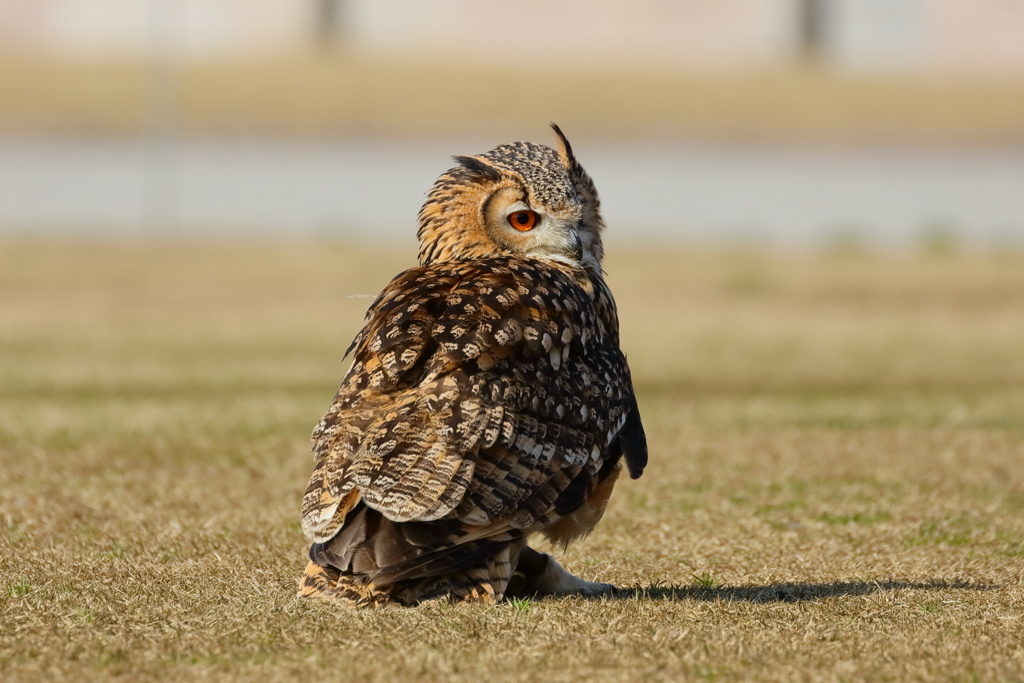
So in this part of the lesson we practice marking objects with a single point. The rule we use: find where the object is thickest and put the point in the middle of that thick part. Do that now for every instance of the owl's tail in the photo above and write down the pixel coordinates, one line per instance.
(484, 583)
(328, 583)
(373, 560)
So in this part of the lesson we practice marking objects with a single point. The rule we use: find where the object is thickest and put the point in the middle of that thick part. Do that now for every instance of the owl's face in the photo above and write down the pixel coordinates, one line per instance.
(518, 199)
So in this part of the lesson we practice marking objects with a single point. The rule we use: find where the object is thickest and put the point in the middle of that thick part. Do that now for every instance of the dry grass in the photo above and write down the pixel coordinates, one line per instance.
(835, 489)
(347, 96)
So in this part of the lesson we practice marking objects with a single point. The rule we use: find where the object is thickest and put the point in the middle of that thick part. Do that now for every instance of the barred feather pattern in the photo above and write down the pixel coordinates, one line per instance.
(484, 400)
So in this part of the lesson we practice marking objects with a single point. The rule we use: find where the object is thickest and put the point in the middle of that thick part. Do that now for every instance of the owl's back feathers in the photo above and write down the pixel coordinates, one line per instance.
(486, 400)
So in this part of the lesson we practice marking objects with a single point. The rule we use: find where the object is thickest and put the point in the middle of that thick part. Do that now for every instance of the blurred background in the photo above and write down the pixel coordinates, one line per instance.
(793, 123)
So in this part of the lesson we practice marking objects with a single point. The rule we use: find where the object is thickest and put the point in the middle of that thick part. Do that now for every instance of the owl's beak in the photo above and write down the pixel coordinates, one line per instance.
(575, 245)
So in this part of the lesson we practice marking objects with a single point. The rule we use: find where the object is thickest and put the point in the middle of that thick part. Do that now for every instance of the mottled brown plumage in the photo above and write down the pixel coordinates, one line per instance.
(487, 399)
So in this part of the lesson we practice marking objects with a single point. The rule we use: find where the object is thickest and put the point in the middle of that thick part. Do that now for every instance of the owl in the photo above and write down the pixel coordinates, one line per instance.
(487, 400)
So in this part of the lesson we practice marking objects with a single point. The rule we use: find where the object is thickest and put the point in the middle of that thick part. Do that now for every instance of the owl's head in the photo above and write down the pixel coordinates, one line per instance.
(518, 199)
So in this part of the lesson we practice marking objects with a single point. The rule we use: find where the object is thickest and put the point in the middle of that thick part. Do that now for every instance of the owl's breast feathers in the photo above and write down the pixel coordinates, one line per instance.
(486, 400)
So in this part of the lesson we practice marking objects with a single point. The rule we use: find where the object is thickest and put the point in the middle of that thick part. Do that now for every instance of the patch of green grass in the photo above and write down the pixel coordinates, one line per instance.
(19, 588)
(638, 500)
(520, 605)
(13, 533)
(935, 533)
(1010, 546)
(111, 657)
(864, 518)
(705, 580)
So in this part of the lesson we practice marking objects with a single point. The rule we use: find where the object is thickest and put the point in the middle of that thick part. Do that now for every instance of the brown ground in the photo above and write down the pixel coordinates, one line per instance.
(345, 96)
(836, 488)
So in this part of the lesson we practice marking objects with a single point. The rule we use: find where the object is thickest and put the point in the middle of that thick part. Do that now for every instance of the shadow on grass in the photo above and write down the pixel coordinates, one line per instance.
(787, 592)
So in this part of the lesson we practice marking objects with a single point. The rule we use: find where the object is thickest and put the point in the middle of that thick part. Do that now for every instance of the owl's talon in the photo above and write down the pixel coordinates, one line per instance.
(598, 589)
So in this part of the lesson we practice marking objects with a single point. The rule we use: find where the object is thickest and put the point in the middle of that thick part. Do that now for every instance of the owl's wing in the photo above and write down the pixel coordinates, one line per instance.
(485, 394)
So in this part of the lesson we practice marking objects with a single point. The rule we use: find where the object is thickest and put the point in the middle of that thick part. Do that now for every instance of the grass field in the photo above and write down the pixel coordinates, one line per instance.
(836, 488)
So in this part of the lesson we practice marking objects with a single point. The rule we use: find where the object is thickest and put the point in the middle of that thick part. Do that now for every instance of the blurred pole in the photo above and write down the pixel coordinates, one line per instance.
(812, 29)
(327, 28)
(160, 211)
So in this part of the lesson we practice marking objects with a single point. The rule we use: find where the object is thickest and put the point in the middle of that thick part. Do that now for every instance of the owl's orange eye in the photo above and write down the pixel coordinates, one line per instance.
(523, 220)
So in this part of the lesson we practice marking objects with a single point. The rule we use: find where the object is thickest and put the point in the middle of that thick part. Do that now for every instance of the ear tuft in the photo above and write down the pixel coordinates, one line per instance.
(478, 167)
(564, 148)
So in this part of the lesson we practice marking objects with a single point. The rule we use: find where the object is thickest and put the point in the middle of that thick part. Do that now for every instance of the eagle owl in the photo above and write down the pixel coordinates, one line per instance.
(487, 398)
